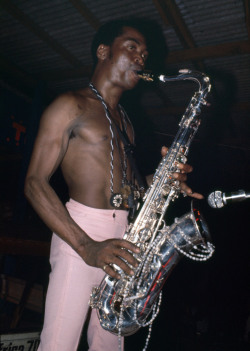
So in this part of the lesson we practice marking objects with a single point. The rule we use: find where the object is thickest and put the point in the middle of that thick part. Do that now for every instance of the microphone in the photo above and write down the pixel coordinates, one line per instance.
(217, 199)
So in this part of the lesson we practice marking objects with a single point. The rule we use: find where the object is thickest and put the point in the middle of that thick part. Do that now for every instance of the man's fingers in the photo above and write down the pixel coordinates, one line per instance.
(185, 168)
(182, 177)
(196, 196)
(164, 151)
(124, 253)
(127, 256)
(110, 271)
(129, 246)
(118, 261)
(123, 265)
(119, 253)
(188, 191)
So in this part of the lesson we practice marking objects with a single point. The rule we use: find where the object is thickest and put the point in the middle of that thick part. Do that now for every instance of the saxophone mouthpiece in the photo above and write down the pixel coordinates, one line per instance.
(146, 75)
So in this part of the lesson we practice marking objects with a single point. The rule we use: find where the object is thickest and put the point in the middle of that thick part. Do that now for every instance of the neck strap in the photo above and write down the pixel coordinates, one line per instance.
(129, 149)
(123, 160)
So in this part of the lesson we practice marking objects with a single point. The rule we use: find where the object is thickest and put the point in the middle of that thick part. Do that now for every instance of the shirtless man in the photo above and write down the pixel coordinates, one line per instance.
(75, 134)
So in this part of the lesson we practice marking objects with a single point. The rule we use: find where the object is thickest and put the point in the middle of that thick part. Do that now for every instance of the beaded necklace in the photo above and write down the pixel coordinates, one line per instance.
(117, 199)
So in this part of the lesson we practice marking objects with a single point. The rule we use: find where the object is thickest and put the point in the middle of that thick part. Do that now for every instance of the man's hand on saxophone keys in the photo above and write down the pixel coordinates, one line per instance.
(181, 177)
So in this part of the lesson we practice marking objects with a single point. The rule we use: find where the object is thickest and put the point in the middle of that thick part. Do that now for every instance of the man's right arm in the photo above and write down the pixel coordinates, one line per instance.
(49, 149)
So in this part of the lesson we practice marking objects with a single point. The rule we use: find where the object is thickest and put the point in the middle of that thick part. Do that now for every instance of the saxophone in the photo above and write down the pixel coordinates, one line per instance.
(127, 304)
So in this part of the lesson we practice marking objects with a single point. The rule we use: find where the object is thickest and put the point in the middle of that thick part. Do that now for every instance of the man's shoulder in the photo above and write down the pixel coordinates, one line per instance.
(71, 103)
(79, 99)
(72, 97)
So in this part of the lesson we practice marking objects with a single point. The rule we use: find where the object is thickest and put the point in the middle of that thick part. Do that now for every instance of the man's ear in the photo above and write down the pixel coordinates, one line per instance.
(102, 52)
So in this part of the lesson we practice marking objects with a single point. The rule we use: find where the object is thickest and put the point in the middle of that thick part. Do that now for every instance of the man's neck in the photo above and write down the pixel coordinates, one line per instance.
(110, 92)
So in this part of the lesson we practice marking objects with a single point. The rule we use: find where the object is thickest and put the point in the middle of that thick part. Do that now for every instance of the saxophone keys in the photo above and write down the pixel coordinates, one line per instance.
(165, 190)
(181, 158)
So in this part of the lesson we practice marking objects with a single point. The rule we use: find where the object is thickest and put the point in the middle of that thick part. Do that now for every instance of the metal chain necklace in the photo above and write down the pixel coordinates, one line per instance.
(116, 199)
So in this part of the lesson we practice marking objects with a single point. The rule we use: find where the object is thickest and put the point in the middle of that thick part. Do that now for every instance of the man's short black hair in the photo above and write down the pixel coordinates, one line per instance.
(151, 31)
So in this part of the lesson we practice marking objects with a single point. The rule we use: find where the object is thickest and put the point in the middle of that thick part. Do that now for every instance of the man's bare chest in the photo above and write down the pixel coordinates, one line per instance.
(98, 128)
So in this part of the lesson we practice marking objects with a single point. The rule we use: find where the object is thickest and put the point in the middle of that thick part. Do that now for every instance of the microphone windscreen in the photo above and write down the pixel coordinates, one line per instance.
(215, 199)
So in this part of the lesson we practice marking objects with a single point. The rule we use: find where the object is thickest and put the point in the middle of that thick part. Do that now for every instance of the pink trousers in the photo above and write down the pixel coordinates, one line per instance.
(71, 282)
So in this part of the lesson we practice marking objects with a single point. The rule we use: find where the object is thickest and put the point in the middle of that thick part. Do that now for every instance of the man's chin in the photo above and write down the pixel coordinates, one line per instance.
(135, 76)
(133, 79)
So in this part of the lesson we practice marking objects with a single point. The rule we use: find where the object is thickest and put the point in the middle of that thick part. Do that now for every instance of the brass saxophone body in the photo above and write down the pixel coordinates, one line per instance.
(129, 303)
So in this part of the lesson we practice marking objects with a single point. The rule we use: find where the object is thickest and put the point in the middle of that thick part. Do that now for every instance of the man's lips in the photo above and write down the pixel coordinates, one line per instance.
(135, 73)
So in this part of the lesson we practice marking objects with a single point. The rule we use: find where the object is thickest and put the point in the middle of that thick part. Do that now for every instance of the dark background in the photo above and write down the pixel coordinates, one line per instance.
(44, 50)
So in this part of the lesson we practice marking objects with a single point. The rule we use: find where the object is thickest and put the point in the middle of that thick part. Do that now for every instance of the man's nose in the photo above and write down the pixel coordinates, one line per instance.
(139, 59)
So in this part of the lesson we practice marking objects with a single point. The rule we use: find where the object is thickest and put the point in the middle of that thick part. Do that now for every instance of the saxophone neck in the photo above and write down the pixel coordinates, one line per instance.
(184, 74)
